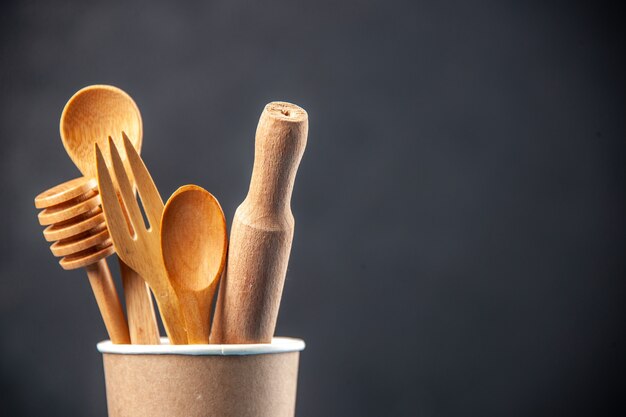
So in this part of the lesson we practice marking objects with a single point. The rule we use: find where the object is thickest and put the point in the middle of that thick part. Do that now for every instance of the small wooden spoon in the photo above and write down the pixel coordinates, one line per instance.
(193, 245)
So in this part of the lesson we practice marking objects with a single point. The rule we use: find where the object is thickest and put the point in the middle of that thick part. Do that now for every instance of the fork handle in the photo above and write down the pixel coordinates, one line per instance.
(108, 301)
(139, 308)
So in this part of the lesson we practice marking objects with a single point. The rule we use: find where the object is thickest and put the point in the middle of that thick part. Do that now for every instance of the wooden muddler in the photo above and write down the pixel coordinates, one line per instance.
(262, 231)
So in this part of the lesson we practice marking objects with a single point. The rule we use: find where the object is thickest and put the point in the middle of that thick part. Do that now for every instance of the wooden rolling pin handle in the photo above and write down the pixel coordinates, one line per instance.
(108, 301)
(262, 231)
(280, 141)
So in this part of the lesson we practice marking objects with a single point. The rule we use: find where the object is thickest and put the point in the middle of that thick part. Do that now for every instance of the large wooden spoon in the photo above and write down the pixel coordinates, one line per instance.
(193, 244)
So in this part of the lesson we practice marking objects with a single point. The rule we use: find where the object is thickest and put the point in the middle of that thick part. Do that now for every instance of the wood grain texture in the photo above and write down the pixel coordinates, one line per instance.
(104, 290)
(141, 248)
(85, 243)
(69, 209)
(65, 192)
(97, 236)
(142, 322)
(262, 231)
(193, 245)
(87, 257)
(74, 226)
(92, 115)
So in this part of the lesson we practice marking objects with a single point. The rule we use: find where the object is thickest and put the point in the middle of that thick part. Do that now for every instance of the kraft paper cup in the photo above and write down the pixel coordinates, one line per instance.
(202, 380)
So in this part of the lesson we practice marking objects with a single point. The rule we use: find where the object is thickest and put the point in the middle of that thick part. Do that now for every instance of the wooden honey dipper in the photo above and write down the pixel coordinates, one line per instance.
(76, 225)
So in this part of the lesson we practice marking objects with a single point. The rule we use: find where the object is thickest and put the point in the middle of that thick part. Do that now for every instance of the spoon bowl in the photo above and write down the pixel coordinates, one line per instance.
(193, 245)
(92, 115)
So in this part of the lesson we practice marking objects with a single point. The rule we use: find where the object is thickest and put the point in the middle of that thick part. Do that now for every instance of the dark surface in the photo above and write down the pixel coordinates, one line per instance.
(459, 245)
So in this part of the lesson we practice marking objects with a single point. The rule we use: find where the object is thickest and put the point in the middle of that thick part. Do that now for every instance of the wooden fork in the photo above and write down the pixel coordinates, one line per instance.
(138, 247)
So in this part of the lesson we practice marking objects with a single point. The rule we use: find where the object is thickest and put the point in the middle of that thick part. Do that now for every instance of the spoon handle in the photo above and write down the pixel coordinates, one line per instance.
(139, 308)
(262, 231)
(108, 301)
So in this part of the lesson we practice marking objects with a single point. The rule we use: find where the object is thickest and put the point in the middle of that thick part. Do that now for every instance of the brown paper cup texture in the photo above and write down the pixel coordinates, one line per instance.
(254, 380)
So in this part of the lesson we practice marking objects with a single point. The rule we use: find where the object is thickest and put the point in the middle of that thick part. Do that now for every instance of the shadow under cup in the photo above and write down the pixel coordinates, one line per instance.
(202, 380)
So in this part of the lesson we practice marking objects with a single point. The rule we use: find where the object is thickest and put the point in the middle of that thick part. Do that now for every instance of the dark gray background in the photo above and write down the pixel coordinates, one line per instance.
(459, 245)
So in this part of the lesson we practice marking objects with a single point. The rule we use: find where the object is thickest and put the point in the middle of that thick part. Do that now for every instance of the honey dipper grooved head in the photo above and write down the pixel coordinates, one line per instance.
(64, 192)
(72, 211)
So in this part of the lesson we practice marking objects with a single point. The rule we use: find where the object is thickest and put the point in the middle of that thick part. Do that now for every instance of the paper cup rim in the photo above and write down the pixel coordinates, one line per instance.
(278, 345)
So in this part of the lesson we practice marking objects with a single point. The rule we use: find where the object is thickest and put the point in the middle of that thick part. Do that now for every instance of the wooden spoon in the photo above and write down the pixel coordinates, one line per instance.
(92, 115)
(193, 245)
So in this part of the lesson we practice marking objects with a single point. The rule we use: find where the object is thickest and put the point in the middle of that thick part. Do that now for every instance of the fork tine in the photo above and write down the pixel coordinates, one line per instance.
(150, 197)
(125, 189)
(116, 222)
